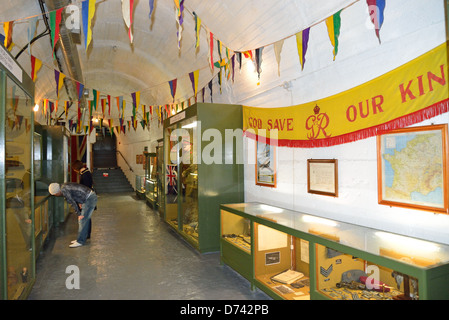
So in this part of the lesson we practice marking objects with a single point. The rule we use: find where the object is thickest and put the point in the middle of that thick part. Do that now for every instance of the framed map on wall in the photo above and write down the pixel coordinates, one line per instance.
(412, 165)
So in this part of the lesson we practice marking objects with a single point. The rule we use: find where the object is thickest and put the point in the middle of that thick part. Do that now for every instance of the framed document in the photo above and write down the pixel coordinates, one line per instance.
(412, 165)
(322, 176)
(265, 164)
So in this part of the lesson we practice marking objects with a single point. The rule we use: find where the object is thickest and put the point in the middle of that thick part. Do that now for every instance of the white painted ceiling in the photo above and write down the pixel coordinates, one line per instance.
(113, 66)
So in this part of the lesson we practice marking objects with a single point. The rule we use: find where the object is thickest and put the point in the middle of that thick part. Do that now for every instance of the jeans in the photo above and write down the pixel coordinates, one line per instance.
(86, 211)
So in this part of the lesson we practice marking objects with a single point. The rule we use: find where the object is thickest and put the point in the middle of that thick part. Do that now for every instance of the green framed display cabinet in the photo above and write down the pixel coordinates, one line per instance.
(17, 254)
(203, 168)
(160, 176)
(151, 187)
(55, 166)
(297, 256)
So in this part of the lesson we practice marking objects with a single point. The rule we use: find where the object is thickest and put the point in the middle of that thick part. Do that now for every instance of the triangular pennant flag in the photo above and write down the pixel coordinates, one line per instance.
(88, 12)
(197, 29)
(136, 99)
(103, 106)
(151, 8)
(211, 50)
(59, 79)
(376, 12)
(194, 79)
(36, 64)
(277, 52)
(302, 41)
(109, 104)
(80, 89)
(238, 56)
(179, 19)
(96, 98)
(66, 108)
(173, 84)
(55, 20)
(248, 54)
(258, 53)
(127, 11)
(32, 23)
(7, 27)
(333, 24)
(210, 88)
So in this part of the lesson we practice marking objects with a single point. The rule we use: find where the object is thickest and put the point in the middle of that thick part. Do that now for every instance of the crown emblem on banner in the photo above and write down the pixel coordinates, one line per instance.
(316, 109)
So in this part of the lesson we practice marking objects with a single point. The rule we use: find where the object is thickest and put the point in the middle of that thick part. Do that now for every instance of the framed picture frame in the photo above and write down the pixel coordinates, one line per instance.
(265, 164)
(322, 177)
(412, 166)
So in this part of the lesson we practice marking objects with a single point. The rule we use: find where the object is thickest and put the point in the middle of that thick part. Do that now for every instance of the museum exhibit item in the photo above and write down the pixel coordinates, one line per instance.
(203, 168)
(294, 255)
(17, 263)
(413, 167)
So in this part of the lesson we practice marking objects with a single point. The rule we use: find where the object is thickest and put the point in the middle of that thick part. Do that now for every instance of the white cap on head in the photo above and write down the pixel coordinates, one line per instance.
(54, 188)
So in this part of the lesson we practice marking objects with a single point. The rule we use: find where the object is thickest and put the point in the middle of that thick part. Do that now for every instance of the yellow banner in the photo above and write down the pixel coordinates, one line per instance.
(406, 95)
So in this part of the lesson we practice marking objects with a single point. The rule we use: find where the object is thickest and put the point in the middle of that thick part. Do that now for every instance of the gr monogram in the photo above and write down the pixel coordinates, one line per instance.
(317, 123)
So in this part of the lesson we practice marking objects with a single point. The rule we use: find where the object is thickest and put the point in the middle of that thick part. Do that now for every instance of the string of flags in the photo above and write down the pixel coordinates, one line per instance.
(226, 57)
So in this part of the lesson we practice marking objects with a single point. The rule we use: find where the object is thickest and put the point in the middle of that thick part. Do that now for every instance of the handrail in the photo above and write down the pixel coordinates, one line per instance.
(131, 169)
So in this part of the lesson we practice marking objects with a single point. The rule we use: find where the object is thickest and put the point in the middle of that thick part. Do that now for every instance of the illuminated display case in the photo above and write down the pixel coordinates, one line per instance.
(17, 264)
(151, 187)
(236, 244)
(202, 146)
(341, 261)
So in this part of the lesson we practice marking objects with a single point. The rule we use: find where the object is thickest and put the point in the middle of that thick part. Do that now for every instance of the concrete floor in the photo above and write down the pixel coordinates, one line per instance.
(132, 254)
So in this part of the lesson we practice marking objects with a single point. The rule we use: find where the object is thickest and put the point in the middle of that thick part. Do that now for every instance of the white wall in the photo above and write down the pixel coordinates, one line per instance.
(411, 28)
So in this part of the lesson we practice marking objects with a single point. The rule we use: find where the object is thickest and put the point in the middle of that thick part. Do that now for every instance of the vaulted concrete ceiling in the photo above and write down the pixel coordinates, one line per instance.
(114, 66)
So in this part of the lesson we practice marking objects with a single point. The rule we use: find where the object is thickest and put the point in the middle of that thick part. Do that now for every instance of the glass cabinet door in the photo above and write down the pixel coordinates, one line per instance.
(189, 180)
(18, 217)
(181, 172)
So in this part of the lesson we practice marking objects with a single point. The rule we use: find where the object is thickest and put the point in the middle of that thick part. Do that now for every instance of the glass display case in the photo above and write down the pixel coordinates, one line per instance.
(281, 263)
(16, 171)
(140, 186)
(347, 261)
(199, 176)
(236, 243)
(151, 189)
(160, 176)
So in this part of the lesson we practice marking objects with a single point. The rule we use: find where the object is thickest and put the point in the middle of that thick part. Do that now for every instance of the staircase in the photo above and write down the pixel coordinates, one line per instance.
(109, 180)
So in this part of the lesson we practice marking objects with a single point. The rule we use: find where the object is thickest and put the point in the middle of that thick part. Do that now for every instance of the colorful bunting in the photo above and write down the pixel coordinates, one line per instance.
(36, 64)
(59, 79)
(277, 52)
(127, 11)
(136, 99)
(55, 20)
(7, 27)
(109, 105)
(333, 24)
(96, 98)
(173, 85)
(32, 23)
(197, 29)
(179, 19)
(80, 89)
(194, 79)
(151, 8)
(211, 50)
(302, 41)
(376, 12)
(88, 12)
(258, 54)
